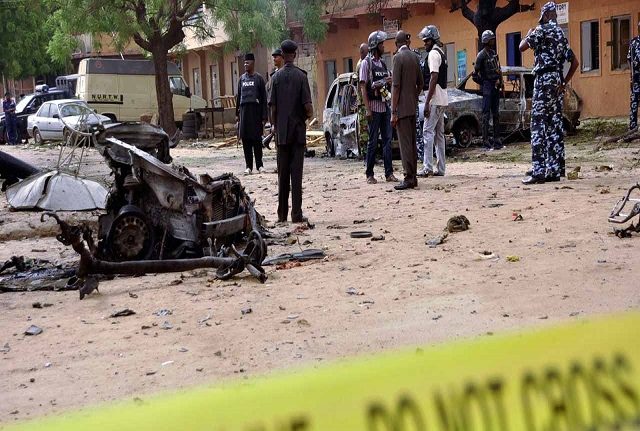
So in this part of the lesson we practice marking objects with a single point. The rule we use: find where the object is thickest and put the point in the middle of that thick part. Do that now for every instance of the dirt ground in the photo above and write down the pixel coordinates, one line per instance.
(570, 267)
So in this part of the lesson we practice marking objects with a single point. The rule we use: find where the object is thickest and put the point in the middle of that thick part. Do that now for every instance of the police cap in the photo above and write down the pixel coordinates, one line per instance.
(276, 52)
(289, 46)
(548, 7)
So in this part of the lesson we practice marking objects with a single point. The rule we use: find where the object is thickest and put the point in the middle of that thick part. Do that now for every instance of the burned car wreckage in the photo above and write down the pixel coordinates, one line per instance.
(463, 115)
(160, 218)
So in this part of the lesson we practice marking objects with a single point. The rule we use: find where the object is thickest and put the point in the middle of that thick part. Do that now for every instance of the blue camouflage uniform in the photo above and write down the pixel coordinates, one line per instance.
(634, 58)
(551, 50)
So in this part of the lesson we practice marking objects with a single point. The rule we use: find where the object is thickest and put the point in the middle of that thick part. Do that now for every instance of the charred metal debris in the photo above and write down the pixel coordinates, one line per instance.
(160, 218)
(626, 209)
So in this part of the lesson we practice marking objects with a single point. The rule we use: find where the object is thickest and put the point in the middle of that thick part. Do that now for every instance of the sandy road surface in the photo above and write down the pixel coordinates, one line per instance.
(570, 267)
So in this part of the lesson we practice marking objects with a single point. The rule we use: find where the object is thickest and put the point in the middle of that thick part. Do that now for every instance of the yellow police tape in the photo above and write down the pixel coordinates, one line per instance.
(582, 376)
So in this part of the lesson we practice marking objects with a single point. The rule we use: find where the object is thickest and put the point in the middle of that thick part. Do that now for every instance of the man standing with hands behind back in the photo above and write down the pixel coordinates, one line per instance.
(290, 103)
(407, 85)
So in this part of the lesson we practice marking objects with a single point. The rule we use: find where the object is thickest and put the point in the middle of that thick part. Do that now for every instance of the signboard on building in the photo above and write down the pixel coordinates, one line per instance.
(391, 27)
(461, 57)
(562, 10)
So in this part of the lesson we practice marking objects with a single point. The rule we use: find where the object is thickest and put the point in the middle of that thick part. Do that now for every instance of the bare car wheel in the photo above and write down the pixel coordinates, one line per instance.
(66, 136)
(463, 133)
(331, 149)
(37, 137)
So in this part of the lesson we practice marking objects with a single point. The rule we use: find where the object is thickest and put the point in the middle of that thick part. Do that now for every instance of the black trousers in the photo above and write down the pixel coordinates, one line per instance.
(290, 164)
(490, 107)
(250, 147)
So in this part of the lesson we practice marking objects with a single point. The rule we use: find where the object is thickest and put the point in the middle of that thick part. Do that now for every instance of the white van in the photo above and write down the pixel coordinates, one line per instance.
(123, 90)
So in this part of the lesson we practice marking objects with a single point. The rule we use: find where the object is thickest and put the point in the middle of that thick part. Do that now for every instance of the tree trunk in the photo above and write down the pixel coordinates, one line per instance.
(163, 90)
(488, 16)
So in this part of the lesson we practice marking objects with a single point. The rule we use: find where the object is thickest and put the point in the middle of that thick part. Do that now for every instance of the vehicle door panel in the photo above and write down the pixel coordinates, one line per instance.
(347, 145)
(41, 118)
(511, 104)
(55, 124)
(331, 115)
(47, 129)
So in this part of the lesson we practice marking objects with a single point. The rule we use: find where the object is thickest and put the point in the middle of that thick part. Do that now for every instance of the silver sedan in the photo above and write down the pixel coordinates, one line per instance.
(55, 120)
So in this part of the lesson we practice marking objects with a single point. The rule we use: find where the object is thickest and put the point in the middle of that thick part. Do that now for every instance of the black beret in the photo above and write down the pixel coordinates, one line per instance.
(249, 56)
(276, 52)
(289, 46)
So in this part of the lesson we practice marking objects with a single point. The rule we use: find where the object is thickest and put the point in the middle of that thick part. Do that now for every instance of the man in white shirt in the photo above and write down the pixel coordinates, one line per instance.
(435, 74)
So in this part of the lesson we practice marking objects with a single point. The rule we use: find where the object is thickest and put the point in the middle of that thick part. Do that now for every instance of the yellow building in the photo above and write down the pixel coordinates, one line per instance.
(598, 32)
(210, 69)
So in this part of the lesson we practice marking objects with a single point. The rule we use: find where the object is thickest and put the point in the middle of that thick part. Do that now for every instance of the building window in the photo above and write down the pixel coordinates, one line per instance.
(235, 77)
(197, 88)
(590, 45)
(620, 35)
(348, 65)
(330, 71)
(514, 56)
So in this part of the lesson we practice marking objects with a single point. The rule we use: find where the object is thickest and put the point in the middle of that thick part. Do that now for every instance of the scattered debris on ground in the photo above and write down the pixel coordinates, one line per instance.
(458, 223)
(123, 313)
(436, 241)
(617, 216)
(303, 256)
(33, 330)
(361, 234)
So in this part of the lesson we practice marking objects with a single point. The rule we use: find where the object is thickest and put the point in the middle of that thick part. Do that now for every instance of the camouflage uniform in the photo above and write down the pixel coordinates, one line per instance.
(419, 140)
(551, 50)
(363, 124)
(634, 58)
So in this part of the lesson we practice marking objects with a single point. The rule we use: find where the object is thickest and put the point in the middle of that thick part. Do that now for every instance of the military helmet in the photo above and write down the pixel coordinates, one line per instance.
(376, 38)
(429, 32)
(487, 35)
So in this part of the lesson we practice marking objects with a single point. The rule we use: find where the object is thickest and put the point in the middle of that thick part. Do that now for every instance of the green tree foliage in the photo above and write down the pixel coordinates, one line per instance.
(309, 13)
(24, 35)
(251, 22)
(157, 26)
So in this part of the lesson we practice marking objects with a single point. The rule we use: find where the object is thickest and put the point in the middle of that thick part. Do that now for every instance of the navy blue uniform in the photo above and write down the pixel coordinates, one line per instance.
(634, 58)
(10, 120)
(551, 50)
(290, 93)
(251, 109)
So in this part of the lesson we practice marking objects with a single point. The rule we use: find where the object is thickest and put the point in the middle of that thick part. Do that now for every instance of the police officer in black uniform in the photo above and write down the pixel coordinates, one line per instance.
(489, 76)
(290, 104)
(10, 119)
(251, 111)
(278, 62)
